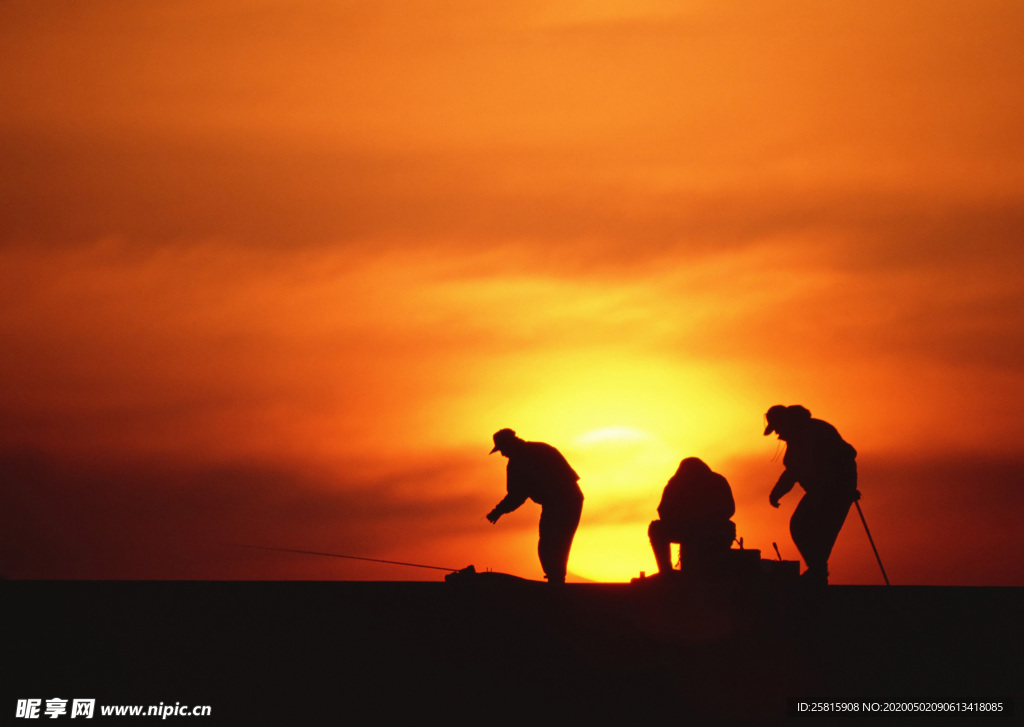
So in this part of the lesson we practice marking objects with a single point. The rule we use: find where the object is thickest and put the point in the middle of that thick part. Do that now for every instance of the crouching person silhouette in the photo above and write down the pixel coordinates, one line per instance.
(695, 511)
(539, 472)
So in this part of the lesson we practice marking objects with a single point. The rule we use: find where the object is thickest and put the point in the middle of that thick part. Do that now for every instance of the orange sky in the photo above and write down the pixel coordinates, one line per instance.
(273, 272)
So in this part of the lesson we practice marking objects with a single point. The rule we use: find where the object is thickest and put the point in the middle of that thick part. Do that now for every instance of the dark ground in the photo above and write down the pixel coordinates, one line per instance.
(495, 650)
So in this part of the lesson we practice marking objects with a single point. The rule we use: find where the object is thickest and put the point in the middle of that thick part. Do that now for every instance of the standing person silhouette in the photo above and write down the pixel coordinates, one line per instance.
(539, 472)
(825, 466)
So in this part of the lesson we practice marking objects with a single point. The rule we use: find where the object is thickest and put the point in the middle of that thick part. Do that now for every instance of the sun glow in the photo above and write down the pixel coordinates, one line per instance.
(624, 420)
(625, 469)
(612, 434)
(612, 553)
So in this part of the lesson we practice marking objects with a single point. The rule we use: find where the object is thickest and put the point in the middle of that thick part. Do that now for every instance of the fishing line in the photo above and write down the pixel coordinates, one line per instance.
(336, 555)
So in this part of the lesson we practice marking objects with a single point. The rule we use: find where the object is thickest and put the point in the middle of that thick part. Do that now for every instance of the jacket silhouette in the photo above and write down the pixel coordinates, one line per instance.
(537, 471)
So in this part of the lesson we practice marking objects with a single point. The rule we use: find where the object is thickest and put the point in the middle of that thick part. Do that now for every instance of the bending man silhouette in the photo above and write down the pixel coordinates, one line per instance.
(539, 472)
(695, 511)
(825, 466)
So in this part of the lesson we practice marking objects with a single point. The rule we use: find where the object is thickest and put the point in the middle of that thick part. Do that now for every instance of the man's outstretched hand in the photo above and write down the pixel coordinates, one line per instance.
(493, 516)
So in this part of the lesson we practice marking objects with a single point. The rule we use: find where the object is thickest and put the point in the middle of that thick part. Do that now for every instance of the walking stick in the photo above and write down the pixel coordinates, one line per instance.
(870, 539)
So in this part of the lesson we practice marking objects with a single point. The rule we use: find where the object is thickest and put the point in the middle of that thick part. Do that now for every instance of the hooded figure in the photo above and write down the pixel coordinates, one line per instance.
(695, 511)
(539, 472)
(825, 466)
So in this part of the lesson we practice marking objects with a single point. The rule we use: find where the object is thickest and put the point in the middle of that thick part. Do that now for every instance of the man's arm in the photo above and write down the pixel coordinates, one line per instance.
(517, 493)
(784, 485)
(507, 505)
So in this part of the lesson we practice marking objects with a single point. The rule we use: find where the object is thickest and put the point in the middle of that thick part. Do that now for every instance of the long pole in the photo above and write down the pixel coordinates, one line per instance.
(335, 555)
(872, 541)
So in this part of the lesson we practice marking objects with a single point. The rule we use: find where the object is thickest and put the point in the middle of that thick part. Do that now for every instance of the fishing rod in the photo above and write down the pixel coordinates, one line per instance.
(856, 501)
(349, 557)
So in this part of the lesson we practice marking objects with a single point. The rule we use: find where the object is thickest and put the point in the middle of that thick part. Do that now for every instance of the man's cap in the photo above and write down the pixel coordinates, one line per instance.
(501, 438)
(774, 415)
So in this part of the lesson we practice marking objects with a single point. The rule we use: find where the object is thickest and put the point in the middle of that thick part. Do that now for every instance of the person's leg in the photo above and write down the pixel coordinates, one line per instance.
(835, 507)
(661, 545)
(806, 528)
(557, 529)
(833, 516)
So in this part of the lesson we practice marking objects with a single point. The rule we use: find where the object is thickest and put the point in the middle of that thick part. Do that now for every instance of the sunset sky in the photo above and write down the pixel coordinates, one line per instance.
(273, 271)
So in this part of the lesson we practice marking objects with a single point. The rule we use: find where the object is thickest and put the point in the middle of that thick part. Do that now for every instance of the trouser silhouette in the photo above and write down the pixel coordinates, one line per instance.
(700, 544)
(558, 523)
(815, 525)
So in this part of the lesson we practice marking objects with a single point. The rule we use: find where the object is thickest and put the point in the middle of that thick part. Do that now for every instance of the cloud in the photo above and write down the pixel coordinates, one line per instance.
(554, 129)
(189, 346)
(169, 519)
